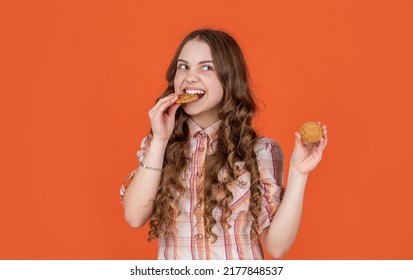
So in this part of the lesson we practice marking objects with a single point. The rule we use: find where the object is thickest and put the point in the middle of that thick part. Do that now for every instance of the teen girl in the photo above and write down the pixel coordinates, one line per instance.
(208, 185)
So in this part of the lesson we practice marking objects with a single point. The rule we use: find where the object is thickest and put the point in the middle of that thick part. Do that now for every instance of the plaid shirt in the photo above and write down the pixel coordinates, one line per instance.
(189, 241)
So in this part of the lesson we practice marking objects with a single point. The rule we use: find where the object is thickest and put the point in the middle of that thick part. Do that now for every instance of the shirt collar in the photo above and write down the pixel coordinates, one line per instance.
(211, 131)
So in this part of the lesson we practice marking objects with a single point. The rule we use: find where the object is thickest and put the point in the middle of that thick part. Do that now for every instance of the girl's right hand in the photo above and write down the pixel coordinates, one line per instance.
(162, 117)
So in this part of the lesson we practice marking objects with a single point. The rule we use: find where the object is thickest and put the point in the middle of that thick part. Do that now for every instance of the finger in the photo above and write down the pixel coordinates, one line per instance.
(323, 142)
(324, 128)
(164, 103)
(172, 110)
(325, 137)
(157, 105)
(297, 139)
(164, 106)
(321, 146)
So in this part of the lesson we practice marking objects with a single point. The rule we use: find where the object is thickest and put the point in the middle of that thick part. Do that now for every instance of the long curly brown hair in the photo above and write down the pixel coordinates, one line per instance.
(236, 141)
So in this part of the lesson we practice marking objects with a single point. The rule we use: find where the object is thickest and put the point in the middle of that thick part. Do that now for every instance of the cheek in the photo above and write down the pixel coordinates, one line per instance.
(213, 82)
(217, 88)
(177, 81)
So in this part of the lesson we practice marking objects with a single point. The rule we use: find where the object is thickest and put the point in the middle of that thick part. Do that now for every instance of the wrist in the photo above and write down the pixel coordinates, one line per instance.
(296, 177)
(156, 151)
(159, 142)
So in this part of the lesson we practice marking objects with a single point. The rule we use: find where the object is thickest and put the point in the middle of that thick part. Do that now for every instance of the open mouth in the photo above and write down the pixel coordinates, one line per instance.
(190, 95)
(199, 92)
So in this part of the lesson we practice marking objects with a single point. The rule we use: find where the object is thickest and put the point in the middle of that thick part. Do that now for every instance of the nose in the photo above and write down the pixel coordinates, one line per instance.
(192, 76)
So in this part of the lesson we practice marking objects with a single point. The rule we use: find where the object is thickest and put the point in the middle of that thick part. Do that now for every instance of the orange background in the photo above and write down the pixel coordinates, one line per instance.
(78, 78)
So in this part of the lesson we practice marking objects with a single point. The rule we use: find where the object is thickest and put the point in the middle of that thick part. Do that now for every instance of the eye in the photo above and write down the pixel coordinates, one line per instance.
(207, 68)
(182, 66)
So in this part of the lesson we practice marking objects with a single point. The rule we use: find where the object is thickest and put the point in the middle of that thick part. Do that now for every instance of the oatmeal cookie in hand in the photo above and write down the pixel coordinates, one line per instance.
(311, 132)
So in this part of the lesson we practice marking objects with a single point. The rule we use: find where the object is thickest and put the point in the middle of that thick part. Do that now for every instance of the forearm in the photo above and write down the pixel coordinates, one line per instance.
(280, 235)
(141, 192)
(284, 226)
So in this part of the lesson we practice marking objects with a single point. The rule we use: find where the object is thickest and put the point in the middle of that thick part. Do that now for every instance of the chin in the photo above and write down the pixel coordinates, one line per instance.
(191, 110)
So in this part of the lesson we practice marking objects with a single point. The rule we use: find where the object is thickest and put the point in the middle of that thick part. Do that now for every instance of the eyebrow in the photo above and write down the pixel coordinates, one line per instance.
(201, 62)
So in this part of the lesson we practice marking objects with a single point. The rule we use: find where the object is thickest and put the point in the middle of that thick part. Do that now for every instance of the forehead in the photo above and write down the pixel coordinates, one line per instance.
(195, 50)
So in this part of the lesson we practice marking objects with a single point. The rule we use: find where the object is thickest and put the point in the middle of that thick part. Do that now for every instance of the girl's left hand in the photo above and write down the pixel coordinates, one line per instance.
(306, 155)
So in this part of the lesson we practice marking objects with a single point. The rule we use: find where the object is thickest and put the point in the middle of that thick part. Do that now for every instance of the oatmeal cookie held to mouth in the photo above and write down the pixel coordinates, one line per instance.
(186, 98)
(311, 132)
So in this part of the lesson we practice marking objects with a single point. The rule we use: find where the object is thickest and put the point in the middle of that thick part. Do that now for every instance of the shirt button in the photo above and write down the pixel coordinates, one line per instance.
(203, 135)
(200, 236)
(201, 149)
(243, 183)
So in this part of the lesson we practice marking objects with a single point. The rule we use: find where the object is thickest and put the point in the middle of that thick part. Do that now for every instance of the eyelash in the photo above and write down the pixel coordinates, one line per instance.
(180, 66)
(185, 67)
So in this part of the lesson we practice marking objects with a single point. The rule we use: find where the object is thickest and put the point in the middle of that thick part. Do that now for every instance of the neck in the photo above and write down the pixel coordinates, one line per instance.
(204, 122)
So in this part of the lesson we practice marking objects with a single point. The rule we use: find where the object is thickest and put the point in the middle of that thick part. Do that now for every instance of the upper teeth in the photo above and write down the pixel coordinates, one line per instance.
(194, 91)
